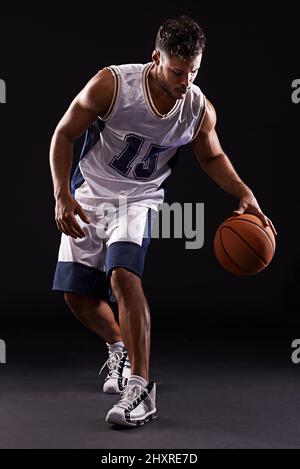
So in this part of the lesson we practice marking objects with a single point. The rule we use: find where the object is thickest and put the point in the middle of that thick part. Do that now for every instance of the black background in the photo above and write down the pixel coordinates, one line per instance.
(49, 52)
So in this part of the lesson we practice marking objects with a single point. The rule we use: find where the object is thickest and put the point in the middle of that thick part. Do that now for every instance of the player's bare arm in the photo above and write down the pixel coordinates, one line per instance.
(217, 165)
(93, 101)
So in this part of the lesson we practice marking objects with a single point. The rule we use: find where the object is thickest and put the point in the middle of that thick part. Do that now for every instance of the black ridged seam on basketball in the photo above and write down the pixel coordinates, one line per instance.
(229, 257)
(253, 223)
(245, 242)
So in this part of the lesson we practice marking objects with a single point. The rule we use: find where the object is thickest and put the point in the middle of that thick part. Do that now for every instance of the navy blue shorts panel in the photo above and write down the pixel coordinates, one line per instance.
(80, 278)
(125, 254)
(130, 256)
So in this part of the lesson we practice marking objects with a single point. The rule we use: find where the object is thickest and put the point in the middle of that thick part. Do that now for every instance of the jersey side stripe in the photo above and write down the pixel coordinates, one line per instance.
(92, 136)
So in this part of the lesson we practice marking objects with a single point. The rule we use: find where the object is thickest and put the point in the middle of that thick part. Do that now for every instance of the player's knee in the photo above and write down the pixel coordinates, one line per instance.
(82, 305)
(122, 280)
(120, 277)
(71, 300)
(78, 304)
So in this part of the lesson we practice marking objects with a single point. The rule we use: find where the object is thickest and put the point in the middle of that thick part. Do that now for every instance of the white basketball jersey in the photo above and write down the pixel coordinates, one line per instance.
(131, 150)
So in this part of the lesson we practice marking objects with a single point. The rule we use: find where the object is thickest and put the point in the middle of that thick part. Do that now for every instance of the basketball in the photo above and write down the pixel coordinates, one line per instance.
(243, 245)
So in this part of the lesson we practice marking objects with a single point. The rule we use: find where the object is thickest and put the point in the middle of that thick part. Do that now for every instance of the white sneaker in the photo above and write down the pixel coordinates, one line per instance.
(119, 370)
(136, 406)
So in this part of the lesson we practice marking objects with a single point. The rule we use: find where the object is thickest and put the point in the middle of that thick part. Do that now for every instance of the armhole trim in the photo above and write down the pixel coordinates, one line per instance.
(116, 92)
(197, 129)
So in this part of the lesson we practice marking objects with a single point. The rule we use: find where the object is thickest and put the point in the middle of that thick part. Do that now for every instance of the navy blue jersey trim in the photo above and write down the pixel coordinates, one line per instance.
(92, 136)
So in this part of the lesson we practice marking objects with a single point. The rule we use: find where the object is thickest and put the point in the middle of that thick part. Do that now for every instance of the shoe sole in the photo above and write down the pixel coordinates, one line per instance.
(115, 420)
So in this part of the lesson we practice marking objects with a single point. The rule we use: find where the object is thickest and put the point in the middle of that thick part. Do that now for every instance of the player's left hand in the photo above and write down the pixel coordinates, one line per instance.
(249, 204)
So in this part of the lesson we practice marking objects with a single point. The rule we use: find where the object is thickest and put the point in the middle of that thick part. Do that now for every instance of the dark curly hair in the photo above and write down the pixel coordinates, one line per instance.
(182, 37)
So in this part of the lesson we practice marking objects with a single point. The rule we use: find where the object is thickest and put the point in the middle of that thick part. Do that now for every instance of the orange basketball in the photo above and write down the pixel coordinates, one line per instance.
(243, 245)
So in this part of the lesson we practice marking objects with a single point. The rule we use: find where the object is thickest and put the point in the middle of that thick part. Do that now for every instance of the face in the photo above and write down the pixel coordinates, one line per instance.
(176, 75)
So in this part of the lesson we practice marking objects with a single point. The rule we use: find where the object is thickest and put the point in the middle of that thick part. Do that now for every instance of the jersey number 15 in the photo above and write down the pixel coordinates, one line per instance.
(124, 162)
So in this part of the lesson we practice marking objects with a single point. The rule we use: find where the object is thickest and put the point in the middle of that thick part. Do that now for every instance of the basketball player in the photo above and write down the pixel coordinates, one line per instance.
(136, 117)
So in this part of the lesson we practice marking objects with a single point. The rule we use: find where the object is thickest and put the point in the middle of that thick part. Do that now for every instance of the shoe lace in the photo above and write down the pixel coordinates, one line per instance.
(130, 394)
(113, 364)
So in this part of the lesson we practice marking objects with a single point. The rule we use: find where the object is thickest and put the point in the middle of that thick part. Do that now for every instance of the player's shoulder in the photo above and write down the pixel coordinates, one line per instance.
(102, 79)
(98, 92)
(210, 117)
(127, 69)
(197, 99)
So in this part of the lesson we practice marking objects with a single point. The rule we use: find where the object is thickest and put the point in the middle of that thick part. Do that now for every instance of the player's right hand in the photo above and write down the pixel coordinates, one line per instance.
(65, 210)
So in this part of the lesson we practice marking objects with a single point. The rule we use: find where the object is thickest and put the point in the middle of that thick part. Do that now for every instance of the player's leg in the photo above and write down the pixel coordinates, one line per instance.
(79, 274)
(138, 400)
(124, 267)
(134, 318)
(97, 315)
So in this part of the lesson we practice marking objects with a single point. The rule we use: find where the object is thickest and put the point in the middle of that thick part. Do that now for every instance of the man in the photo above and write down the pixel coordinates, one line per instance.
(135, 117)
